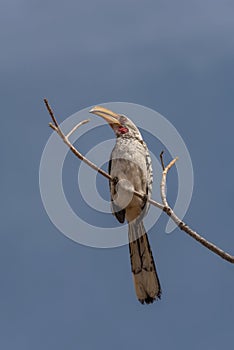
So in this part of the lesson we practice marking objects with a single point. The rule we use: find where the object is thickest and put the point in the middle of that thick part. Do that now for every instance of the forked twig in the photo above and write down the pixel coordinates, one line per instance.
(165, 206)
(65, 139)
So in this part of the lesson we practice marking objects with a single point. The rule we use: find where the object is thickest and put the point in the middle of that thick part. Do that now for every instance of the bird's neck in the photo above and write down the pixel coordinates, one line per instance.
(130, 137)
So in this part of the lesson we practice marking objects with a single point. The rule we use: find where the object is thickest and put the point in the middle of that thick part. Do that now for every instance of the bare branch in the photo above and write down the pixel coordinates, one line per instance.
(185, 227)
(164, 207)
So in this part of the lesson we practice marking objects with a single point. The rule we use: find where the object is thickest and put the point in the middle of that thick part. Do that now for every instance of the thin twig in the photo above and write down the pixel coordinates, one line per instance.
(162, 161)
(164, 178)
(51, 112)
(53, 127)
(76, 127)
(165, 207)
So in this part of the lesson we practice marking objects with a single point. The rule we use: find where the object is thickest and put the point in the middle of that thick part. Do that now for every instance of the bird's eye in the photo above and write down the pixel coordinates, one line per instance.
(122, 119)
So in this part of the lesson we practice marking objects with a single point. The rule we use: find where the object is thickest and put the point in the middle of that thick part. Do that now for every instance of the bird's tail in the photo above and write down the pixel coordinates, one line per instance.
(145, 276)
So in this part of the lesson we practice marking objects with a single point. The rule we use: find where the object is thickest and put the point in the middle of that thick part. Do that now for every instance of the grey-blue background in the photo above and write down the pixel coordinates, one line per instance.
(172, 56)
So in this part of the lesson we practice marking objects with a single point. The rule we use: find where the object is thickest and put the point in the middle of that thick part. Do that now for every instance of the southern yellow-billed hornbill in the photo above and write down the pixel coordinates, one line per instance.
(131, 168)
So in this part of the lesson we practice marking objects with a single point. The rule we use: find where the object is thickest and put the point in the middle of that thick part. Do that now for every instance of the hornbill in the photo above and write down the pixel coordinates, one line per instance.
(131, 169)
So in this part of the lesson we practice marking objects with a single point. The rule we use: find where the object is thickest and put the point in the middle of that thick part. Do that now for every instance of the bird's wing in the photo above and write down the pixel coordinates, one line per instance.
(118, 212)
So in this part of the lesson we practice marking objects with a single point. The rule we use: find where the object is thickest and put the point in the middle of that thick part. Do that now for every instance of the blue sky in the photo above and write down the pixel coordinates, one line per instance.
(174, 57)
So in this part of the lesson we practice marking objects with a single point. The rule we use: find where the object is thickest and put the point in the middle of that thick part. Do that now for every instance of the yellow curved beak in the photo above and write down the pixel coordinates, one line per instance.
(107, 114)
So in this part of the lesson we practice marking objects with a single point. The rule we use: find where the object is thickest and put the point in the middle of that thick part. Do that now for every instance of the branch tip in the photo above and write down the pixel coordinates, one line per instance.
(162, 161)
(52, 126)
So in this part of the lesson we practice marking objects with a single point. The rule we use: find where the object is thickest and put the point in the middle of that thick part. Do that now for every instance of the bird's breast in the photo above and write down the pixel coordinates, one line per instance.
(128, 163)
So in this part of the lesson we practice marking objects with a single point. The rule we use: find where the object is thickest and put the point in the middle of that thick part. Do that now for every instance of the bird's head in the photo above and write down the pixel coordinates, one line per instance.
(121, 125)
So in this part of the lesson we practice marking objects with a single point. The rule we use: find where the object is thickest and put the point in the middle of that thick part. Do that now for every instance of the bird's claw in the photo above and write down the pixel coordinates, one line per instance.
(115, 180)
(144, 200)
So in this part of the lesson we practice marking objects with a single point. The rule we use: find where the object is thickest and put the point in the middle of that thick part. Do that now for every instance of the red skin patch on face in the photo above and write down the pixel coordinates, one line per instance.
(123, 130)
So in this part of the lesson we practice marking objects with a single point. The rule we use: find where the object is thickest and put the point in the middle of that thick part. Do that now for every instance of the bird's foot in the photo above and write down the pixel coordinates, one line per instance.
(144, 200)
(115, 181)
